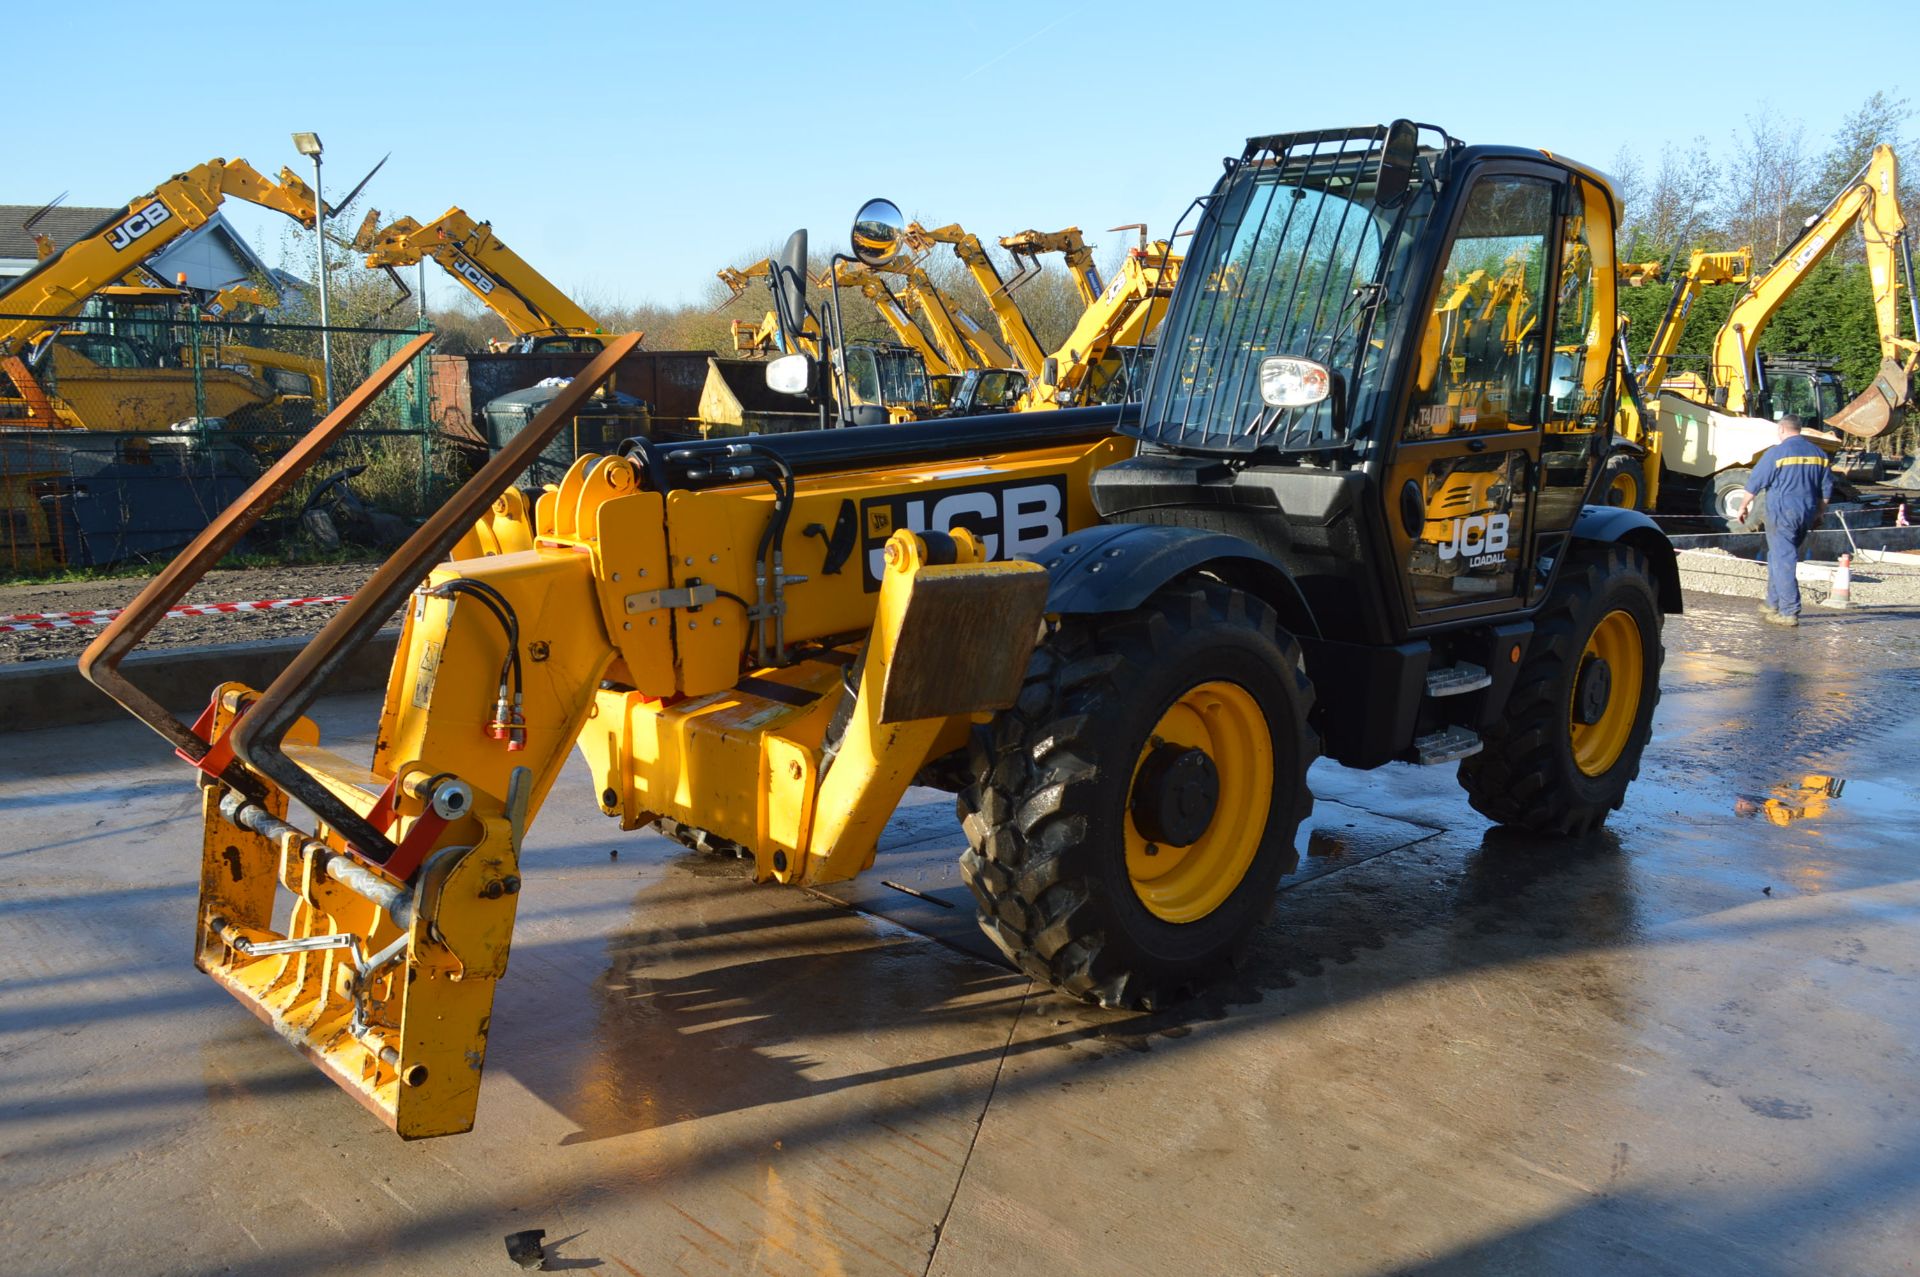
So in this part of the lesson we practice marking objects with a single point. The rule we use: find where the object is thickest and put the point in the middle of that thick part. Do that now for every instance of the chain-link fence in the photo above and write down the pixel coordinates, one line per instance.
(122, 436)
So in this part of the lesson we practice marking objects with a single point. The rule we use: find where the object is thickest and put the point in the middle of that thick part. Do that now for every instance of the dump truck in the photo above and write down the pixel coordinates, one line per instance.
(1121, 634)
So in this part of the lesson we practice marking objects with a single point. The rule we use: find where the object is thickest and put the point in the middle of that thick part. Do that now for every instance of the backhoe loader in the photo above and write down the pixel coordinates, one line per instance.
(71, 380)
(1122, 633)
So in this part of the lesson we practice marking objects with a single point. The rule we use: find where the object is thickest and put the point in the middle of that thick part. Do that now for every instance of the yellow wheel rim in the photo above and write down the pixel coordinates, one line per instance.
(1185, 884)
(1597, 746)
(1624, 491)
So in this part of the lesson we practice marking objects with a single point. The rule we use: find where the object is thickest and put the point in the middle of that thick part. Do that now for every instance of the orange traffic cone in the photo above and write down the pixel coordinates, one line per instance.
(1842, 593)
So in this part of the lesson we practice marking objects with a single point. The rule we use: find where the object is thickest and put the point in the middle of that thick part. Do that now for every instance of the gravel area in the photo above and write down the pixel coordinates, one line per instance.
(227, 585)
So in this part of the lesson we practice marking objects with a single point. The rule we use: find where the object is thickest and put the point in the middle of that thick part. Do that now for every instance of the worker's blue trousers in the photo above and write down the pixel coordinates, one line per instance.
(1783, 561)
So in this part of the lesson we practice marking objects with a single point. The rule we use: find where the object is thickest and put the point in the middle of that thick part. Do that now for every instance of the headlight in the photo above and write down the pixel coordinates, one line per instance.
(1288, 382)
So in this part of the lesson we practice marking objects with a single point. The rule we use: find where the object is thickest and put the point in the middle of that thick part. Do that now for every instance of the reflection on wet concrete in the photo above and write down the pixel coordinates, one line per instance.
(1808, 799)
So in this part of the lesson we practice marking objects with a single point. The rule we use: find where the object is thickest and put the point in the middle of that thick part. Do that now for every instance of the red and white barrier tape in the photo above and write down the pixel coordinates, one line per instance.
(100, 616)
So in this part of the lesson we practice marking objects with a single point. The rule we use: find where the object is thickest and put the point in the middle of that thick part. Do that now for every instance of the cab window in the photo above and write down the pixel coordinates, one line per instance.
(1480, 354)
(1583, 338)
(863, 376)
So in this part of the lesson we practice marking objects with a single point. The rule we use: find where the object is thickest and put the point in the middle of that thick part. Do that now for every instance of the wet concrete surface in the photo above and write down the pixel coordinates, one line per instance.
(1684, 1045)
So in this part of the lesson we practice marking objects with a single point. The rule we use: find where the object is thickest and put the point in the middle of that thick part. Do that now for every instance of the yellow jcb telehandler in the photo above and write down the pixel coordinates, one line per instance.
(1121, 633)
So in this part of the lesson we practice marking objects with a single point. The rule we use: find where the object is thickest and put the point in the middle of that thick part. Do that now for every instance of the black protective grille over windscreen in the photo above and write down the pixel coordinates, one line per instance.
(1292, 257)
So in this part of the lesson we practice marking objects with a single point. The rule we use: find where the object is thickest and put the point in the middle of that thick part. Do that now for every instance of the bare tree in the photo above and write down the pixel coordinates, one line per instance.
(1769, 183)
(1671, 214)
(1881, 118)
(1628, 185)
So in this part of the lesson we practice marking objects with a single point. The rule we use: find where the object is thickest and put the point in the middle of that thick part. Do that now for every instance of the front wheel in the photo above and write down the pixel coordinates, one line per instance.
(1724, 494)
(1624, 482)
(1569, 742)
(1133, 813)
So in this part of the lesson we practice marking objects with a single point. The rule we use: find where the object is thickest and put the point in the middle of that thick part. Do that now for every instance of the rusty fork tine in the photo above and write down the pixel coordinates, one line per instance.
(100, 663)
(257, 737)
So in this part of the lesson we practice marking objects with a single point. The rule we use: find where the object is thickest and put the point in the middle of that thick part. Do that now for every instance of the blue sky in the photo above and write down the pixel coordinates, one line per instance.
(630, 150)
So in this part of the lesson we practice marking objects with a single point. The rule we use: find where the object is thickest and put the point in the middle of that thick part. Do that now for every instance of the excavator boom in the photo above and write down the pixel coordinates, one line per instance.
(1872, 202)
(525, 300)
(1030, 245)
(1126, 313)
(892, 312)
(61, 283)
(1014, 328)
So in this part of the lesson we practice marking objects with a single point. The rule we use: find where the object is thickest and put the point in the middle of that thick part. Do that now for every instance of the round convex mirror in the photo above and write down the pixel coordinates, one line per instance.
(878, 231)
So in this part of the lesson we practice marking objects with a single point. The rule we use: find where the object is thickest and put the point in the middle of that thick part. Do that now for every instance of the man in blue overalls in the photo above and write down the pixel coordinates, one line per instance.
(1795, 475)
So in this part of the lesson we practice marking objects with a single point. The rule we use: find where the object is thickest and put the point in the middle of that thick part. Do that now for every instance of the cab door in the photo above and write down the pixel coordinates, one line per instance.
(1461, 484)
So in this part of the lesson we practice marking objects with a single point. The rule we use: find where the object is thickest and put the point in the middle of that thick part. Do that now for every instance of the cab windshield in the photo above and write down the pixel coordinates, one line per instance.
(1292, 257)
(1811, 396)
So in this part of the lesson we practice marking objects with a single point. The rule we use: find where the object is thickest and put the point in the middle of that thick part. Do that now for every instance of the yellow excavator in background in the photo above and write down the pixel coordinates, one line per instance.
(542, 318)
(1704, 270)
(151, 315)
(765, 337)
(103, 382)
(1872, 202)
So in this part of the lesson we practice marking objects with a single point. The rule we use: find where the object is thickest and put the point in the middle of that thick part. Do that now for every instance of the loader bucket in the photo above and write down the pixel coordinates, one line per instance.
(1879, 408)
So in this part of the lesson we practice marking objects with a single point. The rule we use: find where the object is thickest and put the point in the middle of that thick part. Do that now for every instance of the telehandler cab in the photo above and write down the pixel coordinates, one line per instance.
(1121, 633)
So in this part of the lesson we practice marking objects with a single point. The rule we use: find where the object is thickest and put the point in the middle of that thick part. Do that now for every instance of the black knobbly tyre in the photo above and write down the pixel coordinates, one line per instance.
(1130, 817)
(1569, 741)
(1624, 481)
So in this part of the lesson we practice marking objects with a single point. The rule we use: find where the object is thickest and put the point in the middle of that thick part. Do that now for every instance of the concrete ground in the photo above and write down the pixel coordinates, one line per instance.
(1686, 1045)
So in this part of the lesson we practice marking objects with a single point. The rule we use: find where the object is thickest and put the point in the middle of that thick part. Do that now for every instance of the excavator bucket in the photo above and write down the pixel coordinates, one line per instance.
(1880, 407)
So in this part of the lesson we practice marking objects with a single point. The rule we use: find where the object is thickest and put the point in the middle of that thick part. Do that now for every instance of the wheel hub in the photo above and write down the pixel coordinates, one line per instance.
(1174, 795)
(1592, 690)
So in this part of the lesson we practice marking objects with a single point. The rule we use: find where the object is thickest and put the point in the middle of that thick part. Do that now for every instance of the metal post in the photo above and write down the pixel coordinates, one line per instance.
(1913, 302)
(320, 236)
(420, 414)
(199, 377)
(836, 357)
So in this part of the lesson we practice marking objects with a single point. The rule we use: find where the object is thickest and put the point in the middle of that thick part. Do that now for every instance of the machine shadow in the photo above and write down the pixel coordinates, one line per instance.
(678, 1026)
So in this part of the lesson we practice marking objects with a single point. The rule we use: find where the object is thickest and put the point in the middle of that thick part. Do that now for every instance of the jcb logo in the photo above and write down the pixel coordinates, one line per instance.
(1010, 518)
(135, 227)
(1480, 540)
(464, 267)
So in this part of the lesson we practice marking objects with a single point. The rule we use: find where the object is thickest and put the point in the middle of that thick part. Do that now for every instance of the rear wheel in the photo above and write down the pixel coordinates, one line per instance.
(1133, 813)
(1624, 482)
(1569, 744)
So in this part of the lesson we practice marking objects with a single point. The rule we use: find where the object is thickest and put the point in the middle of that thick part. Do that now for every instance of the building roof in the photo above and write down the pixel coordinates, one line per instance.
(64, 224)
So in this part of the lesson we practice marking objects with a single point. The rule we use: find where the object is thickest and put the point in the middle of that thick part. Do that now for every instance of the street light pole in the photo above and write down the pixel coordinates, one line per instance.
(309, 144)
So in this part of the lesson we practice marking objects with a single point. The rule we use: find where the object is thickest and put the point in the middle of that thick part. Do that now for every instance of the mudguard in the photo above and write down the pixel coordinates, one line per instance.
(1114, 567)
(1606, 524)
